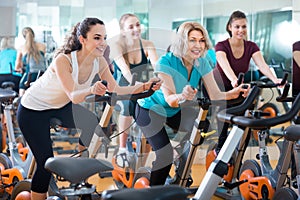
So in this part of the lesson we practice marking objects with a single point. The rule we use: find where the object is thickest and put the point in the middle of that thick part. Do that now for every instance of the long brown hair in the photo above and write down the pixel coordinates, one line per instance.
(72, 42)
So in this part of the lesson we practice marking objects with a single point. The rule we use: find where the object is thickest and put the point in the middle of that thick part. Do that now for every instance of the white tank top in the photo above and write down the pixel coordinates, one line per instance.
(47, 92)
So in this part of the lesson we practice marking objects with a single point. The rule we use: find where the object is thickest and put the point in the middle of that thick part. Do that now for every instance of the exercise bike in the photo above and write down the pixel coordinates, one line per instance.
(228, 189)
(77, 176)
(186, 150)
(263, 180)
(214, 175)
(291, 134)
(184, 193)
(219, 167)
(66, 169)
(17, 166)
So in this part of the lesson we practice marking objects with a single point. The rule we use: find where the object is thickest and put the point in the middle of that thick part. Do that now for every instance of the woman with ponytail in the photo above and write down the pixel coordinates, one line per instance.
(57, 94)
(31, 58)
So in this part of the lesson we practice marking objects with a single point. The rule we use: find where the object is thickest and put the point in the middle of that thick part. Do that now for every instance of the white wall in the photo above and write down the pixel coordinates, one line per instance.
(296, 11)
(8, 18)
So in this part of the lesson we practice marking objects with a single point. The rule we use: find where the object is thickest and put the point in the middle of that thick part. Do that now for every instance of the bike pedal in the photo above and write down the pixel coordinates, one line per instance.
(190, 181)
(295, 184)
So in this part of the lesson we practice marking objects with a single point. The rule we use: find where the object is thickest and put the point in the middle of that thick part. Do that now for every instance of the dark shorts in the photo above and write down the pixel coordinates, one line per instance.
(127, 107)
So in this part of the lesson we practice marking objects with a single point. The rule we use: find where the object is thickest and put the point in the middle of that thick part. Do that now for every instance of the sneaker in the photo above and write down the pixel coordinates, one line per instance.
(124, 159)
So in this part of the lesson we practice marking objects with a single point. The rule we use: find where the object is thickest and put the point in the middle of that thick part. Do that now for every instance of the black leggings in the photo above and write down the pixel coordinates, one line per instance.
(152, 126)
(35, 126)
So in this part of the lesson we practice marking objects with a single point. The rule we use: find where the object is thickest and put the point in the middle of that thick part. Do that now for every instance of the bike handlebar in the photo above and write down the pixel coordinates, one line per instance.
(264, 123)
(240, 78)
(284, 96)
(111, 96)
(226, 115)
(271, 85)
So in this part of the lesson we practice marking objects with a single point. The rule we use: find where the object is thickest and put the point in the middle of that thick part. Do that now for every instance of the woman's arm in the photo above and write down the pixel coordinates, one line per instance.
(296, 56)
(224, 64)
(263, 67)
(63, 69)
(169, 91)
(216, 94)
(112, 85)
(118, 57)
(19, 62)
(150, 52)
(41, 47)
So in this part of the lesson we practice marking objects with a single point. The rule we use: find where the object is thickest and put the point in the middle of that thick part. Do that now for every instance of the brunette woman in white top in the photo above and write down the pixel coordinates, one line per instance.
(64, 85)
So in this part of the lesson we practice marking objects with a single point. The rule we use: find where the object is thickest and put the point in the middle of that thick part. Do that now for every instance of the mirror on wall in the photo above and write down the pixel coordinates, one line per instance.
(270, 23)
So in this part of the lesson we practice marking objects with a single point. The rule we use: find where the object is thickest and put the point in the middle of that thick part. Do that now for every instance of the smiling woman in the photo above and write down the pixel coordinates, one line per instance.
(132, 55)
(181, 69)
(233, 57)
(58, 92)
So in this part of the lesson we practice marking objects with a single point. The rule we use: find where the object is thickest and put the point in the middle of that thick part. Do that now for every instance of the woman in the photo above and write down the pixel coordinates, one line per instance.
(132, 54)
(8, 55)
(181, 69)
(64, 85)
(296, 68)
(233, 57)
(31, 56)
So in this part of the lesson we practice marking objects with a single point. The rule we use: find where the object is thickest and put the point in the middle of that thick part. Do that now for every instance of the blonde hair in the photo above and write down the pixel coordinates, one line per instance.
(7, 43)
(123, 41)
(180, 45)
(30, 45)
(124, 18)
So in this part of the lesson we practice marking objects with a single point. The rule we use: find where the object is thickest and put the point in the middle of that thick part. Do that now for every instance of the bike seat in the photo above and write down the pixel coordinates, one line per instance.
(291, 133)
(7, 95)
(76, 170)
(8, 84)
(174, 192)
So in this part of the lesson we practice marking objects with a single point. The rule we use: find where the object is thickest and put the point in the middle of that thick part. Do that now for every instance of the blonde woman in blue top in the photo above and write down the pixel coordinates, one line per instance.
(181, 70)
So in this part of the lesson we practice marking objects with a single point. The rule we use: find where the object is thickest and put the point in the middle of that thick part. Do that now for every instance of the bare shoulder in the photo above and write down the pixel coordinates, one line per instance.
(147, 44)
(41, 46)
(63, 61)
(21, 49)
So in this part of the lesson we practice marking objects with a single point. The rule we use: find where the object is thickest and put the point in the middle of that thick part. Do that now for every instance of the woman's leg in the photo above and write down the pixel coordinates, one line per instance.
(152, 126)
(125, 121)
(124, 124)
(82, 119)
(35, 128)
